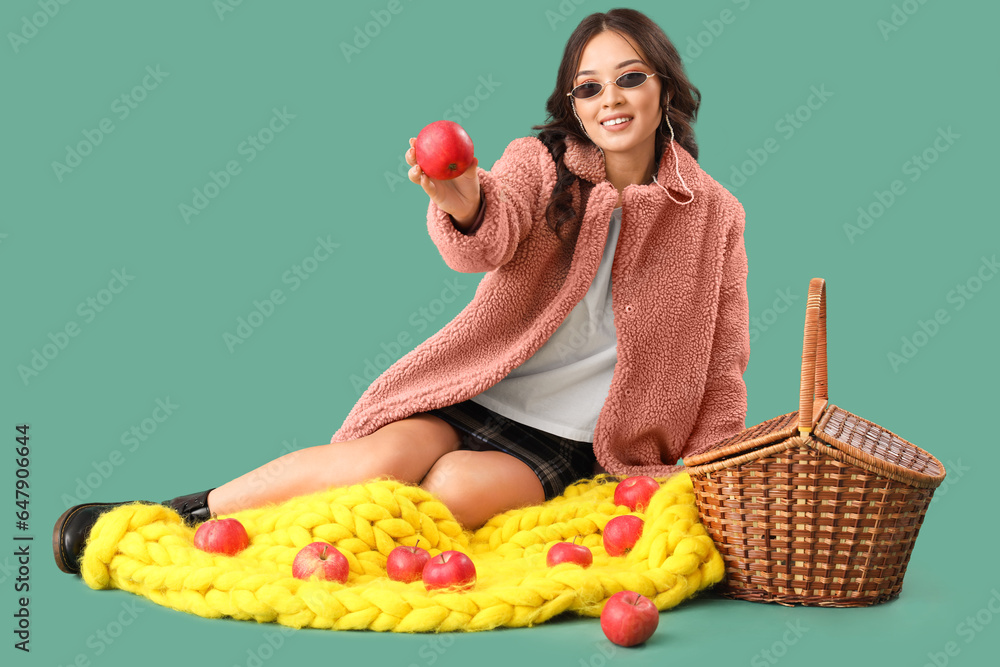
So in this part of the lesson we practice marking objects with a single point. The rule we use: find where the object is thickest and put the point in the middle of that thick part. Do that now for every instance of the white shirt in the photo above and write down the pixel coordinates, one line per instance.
(562, 387)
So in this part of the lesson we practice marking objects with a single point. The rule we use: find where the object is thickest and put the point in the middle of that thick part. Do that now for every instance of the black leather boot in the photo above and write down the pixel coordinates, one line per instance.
(73, 527)
(193, 507)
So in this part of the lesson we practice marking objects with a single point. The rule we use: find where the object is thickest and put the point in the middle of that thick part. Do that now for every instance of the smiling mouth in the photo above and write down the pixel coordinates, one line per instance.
(618, 121)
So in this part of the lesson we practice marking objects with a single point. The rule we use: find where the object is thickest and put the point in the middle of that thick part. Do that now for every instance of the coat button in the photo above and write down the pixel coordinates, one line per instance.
(628, 309)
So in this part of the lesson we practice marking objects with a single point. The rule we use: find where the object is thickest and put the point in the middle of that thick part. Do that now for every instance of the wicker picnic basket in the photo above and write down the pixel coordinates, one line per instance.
(817, 507)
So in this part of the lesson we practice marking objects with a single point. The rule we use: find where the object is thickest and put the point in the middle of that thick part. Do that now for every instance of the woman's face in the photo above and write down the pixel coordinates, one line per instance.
(606, 57)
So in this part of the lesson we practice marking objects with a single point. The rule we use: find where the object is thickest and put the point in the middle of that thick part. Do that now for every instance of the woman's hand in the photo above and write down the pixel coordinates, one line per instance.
(459, 196)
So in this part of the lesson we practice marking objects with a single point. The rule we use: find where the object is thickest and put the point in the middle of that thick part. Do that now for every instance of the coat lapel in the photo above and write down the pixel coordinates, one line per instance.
(587, 161)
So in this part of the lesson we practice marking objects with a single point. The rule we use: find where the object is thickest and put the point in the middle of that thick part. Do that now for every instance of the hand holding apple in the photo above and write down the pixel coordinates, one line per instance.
(569, 552)
(459, 195)
(621, 533)
(635, 492)
(449, 569)
(629, 618)
(444, 150)
(407, 563)
(221, 536)
(323, 560)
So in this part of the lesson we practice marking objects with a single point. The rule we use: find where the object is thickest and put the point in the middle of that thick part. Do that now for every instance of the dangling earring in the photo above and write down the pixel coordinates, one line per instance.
(667, 118)
(573, 106)
(676, 163)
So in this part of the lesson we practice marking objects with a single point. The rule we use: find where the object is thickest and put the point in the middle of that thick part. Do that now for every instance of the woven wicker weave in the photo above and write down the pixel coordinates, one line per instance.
(817, 507)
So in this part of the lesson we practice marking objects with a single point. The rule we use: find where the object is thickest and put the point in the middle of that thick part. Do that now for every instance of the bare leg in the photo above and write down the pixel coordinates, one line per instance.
(404, 449)
(477, 485)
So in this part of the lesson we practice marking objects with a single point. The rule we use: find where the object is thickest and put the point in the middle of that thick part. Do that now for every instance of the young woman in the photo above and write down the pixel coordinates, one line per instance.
(609, 333)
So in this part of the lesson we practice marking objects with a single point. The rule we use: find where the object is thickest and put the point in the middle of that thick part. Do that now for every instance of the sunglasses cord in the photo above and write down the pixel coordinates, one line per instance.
(676, 160)
(676, 165)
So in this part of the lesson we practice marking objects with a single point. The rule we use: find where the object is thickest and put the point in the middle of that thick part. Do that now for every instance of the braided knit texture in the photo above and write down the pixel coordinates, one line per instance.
(148, 550)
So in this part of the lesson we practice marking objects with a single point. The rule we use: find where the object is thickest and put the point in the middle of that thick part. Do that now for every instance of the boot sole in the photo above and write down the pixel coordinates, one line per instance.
(58, 532)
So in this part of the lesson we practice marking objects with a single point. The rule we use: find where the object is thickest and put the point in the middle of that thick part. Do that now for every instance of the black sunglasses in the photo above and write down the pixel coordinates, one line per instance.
(626, 80)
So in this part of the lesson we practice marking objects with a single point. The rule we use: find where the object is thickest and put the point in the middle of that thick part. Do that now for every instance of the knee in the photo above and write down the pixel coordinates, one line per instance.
(453, 480)
(397, 452)
(451, 475)
(477, 485)
(408, 448)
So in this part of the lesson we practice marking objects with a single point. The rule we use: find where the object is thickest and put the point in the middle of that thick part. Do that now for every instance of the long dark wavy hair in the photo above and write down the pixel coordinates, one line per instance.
(661, 55)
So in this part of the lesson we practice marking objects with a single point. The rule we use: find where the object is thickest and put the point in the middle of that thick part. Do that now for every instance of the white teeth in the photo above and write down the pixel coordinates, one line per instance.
(617, 121)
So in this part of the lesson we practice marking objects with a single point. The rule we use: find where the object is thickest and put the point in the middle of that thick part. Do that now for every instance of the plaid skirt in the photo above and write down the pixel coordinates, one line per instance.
(557, 461)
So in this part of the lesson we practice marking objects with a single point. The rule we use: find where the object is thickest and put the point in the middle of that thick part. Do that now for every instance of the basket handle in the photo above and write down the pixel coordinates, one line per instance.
(813, 391)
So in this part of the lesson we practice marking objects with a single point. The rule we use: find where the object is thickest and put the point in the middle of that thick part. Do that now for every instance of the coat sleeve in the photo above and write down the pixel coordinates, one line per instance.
(513, 193)
(722, 413)
(475, 223)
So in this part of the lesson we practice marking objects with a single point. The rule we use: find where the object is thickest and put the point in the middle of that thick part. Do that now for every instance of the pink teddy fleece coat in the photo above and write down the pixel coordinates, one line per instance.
(679, 298)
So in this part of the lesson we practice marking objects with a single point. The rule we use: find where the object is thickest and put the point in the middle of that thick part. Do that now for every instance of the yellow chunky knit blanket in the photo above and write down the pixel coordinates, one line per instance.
(147, 549)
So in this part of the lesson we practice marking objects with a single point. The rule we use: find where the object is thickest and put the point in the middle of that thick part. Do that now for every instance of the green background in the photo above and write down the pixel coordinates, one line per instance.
(335, 171)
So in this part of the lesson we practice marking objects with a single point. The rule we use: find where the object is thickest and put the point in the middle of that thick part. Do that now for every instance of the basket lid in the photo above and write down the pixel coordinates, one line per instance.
(873, 447)
(883, 451)
(864, 443)
(765, 433)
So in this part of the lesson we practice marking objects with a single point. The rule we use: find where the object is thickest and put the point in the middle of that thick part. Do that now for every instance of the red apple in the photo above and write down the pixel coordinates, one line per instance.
(407, 563)
(621, 533)
(449, 569)
(635, 492)
(629, 618)
(443, 150)
(569, 552)
(323, 560)
(222, 536)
